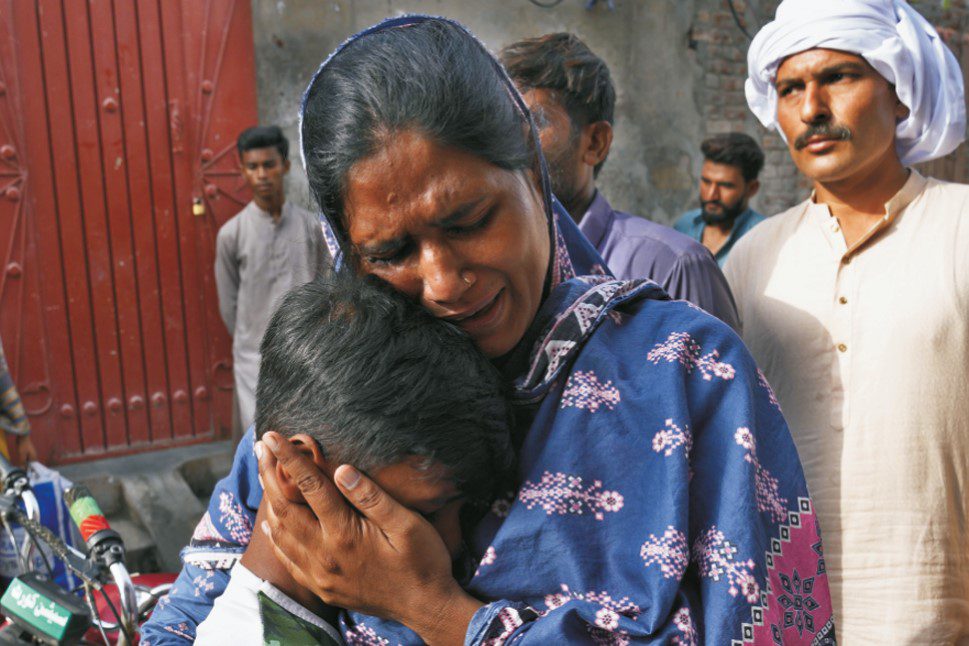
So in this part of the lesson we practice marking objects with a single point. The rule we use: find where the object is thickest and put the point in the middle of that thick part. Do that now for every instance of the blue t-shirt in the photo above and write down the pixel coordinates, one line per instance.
(692, 224)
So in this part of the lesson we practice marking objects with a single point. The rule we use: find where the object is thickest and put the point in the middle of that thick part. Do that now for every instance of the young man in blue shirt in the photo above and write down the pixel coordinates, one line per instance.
(728, 180)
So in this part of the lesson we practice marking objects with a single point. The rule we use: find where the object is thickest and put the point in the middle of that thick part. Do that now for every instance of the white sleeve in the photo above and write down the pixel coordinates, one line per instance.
(235, 617)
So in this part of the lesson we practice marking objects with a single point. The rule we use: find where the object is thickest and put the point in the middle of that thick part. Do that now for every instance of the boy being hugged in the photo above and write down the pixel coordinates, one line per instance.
(354, 373)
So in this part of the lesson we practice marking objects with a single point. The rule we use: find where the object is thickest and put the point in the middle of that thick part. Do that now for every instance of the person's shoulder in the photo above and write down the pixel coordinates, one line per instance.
(756, 218)
(673, 337)
(945, 187)
(655, 321)
(230, 228)
(651, 236)
(235, 220)
(684, 223)
(303, 212)
(952, 197)
(767, 232)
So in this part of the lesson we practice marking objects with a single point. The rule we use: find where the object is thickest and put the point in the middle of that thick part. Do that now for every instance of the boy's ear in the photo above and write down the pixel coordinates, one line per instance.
(308, 447)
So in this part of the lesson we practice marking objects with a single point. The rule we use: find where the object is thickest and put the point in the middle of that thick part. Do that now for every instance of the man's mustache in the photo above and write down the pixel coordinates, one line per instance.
(826, 130)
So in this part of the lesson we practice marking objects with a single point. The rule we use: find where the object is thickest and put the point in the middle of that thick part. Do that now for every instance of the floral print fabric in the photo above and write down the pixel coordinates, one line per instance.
(661, 499)
(660, 495)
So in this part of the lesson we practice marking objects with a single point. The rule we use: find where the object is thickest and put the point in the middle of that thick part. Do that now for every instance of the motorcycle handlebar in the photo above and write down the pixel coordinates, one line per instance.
(12, 477)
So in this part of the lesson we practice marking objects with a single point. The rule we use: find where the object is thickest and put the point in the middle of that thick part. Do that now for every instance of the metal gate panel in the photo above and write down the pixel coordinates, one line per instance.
(107, 300)
(218, 182)
(142, 223)
(57, 213)
(179, 38)
(94, 194)
(32, 299)
(165, 141)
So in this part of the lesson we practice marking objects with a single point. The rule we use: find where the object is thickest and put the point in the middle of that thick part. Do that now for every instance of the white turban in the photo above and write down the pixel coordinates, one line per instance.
(895, 40)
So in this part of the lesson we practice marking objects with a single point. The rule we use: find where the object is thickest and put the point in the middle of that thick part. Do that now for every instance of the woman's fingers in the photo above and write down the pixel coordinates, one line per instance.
(294, 525)
(299, 553)
(317, 489)
(372, 501)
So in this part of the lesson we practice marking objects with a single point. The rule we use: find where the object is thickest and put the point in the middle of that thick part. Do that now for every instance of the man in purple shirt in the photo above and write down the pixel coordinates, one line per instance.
(570, 93)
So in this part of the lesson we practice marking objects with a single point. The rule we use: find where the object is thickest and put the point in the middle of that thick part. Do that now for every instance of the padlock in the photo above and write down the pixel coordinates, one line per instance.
(198, 207)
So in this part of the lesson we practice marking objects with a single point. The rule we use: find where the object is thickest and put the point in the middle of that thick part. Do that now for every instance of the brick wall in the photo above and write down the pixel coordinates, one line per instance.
(720, 49)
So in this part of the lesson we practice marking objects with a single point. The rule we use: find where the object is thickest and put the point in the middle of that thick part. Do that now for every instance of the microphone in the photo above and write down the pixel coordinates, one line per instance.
(103, 542)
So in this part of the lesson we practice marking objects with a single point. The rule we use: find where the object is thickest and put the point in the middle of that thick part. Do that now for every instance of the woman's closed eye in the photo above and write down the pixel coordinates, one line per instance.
(463, 229)
(390, 257)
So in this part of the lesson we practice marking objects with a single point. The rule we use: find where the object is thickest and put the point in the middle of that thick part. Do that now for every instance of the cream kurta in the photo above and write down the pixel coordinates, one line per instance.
(868, 352)
(257, 262)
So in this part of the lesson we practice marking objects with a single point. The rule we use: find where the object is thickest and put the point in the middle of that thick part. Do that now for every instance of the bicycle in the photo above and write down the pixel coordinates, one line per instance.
(38, 610)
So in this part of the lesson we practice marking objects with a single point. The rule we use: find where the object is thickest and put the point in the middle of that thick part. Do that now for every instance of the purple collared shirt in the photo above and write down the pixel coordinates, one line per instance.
(634, 247)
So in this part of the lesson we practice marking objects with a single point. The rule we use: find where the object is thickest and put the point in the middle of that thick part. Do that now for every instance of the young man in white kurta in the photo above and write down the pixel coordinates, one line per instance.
(262, 252)
(855, 304)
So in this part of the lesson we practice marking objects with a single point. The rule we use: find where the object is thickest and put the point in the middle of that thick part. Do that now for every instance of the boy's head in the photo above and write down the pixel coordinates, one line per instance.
(357, 374)
(264, 159)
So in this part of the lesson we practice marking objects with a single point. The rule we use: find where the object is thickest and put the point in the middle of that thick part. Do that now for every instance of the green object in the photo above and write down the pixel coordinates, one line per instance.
(84, 507)
(282, 628)
(40, 607)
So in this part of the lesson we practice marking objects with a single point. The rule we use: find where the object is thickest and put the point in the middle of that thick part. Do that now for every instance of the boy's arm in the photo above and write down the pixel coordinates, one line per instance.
(227, 275)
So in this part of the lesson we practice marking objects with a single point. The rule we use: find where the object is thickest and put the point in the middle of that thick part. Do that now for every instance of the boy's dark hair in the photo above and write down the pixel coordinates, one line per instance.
(263, 137)
(735, 149)
(374, 378)
(431, 77)
(563, 63)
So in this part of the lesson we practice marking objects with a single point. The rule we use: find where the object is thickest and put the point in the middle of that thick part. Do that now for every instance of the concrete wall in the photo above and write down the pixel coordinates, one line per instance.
(653, 164)
(678, 65)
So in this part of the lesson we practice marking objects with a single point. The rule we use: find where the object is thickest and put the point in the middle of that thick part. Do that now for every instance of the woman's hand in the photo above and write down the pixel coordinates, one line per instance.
(386, 561)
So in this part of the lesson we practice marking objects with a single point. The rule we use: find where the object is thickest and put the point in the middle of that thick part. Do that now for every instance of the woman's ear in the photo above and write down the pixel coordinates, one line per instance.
(308, 447)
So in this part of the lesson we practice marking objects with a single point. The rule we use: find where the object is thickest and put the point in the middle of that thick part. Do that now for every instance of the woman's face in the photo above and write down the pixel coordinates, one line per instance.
(467, 239)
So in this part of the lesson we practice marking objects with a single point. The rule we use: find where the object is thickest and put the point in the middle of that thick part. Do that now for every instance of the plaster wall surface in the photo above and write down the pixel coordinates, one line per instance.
(654, 162)
(679, 67)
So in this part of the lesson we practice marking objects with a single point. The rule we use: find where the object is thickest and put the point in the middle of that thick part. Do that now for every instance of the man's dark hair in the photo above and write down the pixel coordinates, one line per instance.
(374, 378)
(431, 77)
(263, 137)
(563, 63)
(735, 149)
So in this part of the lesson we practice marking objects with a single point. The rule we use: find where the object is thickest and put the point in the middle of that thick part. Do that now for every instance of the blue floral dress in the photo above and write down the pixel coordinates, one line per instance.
(659, 496)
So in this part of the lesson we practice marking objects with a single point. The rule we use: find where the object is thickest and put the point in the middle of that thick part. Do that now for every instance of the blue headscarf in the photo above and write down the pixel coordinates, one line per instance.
(571, 249)
(659, 497)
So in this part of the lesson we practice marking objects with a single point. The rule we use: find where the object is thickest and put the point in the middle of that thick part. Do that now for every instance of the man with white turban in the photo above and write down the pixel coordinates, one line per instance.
(856, 305)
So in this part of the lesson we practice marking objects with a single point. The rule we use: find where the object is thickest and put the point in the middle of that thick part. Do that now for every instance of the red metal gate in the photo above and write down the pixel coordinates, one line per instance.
(114, 117)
